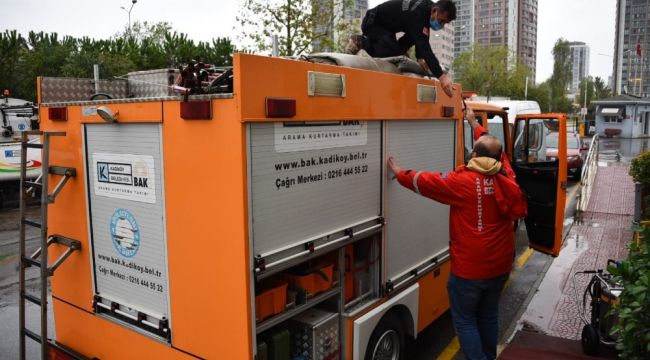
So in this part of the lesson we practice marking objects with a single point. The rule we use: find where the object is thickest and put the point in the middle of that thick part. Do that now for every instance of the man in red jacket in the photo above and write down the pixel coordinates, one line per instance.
(484, 200)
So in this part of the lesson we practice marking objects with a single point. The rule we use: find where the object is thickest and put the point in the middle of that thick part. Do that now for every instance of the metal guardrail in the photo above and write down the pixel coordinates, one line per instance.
(588, 176)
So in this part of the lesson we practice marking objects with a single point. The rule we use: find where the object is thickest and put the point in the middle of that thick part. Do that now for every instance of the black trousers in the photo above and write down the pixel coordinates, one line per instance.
(381, 42)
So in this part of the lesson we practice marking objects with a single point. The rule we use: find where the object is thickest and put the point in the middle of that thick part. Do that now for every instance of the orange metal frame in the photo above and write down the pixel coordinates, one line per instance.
(562, 183)
(205, 185)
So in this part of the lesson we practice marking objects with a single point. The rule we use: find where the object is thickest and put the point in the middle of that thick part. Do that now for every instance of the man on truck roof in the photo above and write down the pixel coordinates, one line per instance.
(414, 18)
(484, 200)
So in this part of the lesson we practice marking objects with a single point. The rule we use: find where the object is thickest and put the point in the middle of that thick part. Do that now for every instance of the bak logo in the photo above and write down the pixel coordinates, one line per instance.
(140, 182)
(102, 170)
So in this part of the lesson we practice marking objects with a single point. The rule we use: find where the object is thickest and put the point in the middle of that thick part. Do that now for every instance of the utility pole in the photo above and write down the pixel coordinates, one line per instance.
(526, 90)
(129, 12)
(584, 108)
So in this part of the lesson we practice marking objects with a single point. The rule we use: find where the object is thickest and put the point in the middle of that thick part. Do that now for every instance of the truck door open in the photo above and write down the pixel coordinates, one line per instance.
(542, 175)
(494, 121)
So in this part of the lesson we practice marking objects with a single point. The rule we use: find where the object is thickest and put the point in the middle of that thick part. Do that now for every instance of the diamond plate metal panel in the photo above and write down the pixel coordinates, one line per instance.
(55, 89)
(152, 83)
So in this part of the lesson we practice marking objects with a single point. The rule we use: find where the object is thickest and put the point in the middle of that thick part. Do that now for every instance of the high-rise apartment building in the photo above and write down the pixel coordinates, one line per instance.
(495, 22)
(344, 12)
(463, 26)
(511, 23)
(527, 35)
(579, 53)
(631, 73)
(442, 44)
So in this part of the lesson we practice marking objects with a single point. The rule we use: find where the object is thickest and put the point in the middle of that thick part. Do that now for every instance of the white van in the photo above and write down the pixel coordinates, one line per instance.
(518, 107)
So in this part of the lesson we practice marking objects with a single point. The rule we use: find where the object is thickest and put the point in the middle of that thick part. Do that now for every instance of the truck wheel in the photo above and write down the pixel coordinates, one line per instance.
(590, 340)
(387, 340)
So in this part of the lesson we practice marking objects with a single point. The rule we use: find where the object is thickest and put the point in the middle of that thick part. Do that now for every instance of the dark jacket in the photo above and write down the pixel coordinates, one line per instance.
(412, 18)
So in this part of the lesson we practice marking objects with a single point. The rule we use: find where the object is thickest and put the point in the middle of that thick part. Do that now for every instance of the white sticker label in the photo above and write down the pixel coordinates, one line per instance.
(290, 137)
(89, 110)
(125, 176)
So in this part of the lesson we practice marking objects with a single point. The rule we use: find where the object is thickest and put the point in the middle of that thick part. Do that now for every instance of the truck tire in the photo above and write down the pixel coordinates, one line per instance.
(590, 340)
(387, 341)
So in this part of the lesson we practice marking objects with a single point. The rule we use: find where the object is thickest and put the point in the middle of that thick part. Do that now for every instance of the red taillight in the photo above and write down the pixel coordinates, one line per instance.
(196, 110)
(280, 107)
(58, 113)
(56, 354)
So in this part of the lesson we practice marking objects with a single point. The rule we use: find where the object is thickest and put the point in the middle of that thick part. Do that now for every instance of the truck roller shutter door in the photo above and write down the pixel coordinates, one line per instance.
(417, 228)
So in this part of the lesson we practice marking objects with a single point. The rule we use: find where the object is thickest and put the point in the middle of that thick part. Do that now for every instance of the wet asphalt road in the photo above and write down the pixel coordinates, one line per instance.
(436, 340)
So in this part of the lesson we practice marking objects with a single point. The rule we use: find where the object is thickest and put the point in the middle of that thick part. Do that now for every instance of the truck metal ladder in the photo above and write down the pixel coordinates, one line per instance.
(39, 258)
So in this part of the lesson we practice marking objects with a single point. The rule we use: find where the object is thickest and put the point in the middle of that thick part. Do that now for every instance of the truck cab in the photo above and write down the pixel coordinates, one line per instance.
(542, 177)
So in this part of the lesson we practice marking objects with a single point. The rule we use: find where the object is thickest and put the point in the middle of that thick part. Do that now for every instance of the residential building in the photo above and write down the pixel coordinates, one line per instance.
(631, 73)
(511, 23)
(527, 41)
(463, 26)
(579, 54)
(442, 44)
(346, 12)
(495, 22)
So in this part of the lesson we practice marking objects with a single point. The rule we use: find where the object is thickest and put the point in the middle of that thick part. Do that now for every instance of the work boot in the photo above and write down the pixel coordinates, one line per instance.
(354, 44)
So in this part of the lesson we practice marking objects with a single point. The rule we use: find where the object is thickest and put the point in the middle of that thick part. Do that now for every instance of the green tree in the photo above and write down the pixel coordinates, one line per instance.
(154, 32)
(491, 71)
(46, 56)
(587, 82)
(299, 24)
(561, 76)
(601, 90)
(148, 46)
(13, 48)
(542, 94)
(596, 90)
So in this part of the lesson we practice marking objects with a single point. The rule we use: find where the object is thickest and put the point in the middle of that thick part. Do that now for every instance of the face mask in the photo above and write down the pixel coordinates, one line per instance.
(435, 25)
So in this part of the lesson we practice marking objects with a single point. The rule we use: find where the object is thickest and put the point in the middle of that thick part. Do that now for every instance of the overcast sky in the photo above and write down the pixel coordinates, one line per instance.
(590, 21)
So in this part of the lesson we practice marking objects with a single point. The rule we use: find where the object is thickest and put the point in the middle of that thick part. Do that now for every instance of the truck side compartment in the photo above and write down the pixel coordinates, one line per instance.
(212, 229)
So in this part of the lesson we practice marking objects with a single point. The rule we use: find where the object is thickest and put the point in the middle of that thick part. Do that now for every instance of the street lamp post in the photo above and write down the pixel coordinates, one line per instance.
(584, 108)
(129, 12)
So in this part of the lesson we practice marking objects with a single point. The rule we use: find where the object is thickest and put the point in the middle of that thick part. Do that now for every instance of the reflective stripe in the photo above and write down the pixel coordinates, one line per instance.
(406, 3)
(415, 182)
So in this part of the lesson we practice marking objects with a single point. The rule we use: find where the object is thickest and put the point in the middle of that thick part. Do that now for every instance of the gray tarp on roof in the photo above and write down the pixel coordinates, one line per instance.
(396, 65)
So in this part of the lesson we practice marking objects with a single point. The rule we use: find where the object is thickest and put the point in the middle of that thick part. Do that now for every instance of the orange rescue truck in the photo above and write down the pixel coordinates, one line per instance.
(260, 223)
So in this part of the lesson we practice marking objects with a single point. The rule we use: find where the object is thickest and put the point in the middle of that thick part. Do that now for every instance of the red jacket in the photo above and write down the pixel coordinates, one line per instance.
(483, 208)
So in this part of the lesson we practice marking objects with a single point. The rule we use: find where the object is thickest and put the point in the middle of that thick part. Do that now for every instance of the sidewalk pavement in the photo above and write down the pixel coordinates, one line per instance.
(604, 233)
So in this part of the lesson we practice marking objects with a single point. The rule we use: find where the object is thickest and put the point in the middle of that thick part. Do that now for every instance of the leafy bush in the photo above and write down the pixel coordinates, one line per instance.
(633, 310)
(640, 169)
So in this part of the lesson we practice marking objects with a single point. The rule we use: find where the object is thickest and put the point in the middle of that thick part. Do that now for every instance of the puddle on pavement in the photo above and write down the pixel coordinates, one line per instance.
(617, 150)
(542, 307)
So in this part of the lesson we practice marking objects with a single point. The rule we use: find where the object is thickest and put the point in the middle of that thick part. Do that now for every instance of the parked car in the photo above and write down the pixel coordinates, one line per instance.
(576, 152)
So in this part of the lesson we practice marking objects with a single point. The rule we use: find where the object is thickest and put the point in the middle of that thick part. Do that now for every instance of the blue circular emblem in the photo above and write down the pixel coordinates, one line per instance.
(21, 127)
(125, 233)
